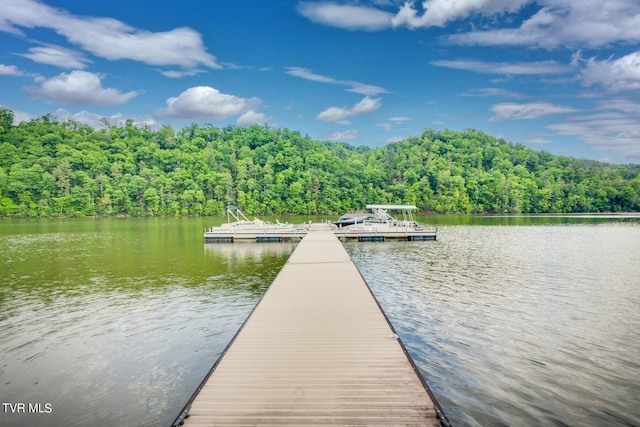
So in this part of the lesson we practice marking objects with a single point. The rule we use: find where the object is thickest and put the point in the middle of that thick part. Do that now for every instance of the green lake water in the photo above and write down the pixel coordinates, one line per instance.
(528, 320)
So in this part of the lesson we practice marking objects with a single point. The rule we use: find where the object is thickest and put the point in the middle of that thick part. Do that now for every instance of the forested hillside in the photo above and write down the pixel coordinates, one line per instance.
(52, 168)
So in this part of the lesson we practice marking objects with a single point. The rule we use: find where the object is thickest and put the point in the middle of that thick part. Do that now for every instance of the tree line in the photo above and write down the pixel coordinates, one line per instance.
(51, 168)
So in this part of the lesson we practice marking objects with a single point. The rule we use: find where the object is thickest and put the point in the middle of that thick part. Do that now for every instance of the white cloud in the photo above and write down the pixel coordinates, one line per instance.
(84, 117)
(396, 121)
(18, 116)
(363, 89)
(21, 116)
(613, 126)
(96, 121)
(539, 140)
(394, 139)
(232, 66)
(339, 114)
(352, 86)
(181, 46)
(583, 23)
(10, 70)
(176, 74)
(349, 17)
(532, 110)
(206, 103)
(437, 13)
(109, 38)
(57, 55)
(492, 91)
(367, 105)
(305, 73)
(347, 135)
(399, 119)
(252, 118)
(335, 114)
(619, 75)
(78, 88)
(624, 105)
(519, 68)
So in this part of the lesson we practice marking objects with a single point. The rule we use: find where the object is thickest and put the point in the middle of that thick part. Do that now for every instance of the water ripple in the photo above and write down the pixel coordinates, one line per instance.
(108, 339)
(519, 325)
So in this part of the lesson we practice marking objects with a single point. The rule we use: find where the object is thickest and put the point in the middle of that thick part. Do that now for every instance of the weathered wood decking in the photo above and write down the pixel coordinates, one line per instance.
(317, 350)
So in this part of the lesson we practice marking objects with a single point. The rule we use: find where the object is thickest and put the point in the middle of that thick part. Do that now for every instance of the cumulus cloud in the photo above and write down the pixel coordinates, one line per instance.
(206, 103)
(584, 23)
(109, 38)
(57, 55)
(352, 86)
(335, 114)
(349, 17)
(339, 114)
(252, 118)
(430, 13)
(591, 23)
(437, 13)
(10, 70)
(516, 68)
(97, 121)
(614, 75)
(78, 88)
(531, 110)
(367, 105)
(18, 116)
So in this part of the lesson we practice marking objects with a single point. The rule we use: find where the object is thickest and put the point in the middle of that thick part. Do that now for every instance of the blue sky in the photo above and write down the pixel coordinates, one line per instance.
(556, 75)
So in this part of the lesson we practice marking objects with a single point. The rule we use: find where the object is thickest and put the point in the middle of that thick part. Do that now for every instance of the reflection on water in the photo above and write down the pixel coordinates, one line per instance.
(115, 322)
(519, 325)
(539, 219)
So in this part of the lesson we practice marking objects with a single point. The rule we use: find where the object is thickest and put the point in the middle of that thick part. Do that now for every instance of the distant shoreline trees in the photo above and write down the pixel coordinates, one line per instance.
(51, 168)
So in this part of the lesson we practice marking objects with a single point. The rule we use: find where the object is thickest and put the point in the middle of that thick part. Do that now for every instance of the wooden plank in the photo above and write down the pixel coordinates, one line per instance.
(317, 350)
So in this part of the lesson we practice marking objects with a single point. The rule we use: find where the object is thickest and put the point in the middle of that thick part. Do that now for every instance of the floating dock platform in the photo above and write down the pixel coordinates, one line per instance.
(258, 236)
(317, 350)
(364, 235)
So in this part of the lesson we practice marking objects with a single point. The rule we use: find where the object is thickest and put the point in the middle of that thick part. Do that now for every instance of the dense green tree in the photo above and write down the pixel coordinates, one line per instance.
(52, 168)
(6, 122)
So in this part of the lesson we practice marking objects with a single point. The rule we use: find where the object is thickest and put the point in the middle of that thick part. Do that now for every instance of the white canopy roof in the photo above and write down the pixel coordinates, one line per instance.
(389, 207)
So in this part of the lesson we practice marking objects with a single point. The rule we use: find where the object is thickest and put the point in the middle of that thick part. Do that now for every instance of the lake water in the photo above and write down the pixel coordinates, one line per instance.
(512, 320)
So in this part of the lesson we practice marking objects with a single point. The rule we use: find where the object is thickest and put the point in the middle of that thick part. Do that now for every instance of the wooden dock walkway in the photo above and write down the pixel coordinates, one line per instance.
(316, 350)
